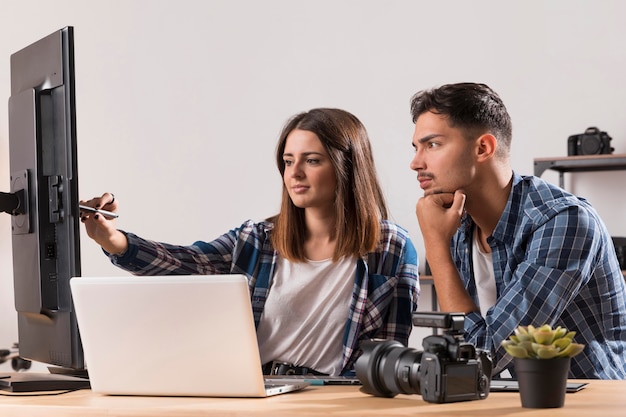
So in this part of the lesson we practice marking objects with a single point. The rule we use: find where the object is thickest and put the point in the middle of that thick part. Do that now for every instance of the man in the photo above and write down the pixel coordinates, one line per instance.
(510, 250)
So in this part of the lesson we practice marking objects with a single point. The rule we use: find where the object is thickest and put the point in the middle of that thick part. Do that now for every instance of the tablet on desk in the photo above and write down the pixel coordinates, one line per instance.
(497, 385)
(316, 379)
(509, 385)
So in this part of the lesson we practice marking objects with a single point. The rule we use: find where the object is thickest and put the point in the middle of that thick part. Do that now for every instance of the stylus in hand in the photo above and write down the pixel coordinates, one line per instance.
(103, 212)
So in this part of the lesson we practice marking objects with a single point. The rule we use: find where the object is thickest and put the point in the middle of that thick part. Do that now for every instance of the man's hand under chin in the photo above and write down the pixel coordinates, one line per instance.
(439, 215)
(443, 197)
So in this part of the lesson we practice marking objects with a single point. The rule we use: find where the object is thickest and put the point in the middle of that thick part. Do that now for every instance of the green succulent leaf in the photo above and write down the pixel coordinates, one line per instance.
(515, 351)
(521, 330)
(559, 332)
(562, 343)
(542, 342)
(544, 336)
(527, 346)
(571, 350)
(545, 352)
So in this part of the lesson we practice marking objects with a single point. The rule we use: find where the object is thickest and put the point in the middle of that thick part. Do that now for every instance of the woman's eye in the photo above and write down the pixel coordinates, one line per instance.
(287, 162)
(313, 161)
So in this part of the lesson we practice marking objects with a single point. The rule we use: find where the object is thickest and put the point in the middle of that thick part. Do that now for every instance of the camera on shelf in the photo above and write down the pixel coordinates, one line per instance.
(447, 370)
(620, 251)
(592, 142)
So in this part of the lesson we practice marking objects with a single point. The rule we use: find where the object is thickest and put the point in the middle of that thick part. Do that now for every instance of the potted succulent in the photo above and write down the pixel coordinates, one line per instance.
(541, 356)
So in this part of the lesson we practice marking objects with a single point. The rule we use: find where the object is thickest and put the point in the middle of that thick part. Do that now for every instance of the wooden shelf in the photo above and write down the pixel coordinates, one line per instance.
(426, 279)
(582, 163)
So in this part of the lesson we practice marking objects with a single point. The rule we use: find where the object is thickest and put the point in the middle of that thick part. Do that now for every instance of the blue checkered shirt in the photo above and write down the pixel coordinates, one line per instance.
(385, 291)
(554, 263)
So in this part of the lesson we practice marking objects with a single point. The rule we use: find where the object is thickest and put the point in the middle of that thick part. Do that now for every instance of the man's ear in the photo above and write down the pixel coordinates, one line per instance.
(486, 146)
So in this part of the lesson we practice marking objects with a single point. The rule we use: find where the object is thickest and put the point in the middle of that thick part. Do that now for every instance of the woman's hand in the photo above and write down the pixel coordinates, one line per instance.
(101, 228)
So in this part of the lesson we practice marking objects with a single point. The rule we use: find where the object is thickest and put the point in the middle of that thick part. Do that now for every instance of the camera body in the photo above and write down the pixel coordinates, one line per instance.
(592, 142)
(447, 370)
(620, 250)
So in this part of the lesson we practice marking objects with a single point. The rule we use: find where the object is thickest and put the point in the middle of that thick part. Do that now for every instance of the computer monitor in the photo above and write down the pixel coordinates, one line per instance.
(43, 202)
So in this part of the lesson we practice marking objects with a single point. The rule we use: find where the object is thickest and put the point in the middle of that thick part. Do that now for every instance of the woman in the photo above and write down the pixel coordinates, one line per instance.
(326, 272)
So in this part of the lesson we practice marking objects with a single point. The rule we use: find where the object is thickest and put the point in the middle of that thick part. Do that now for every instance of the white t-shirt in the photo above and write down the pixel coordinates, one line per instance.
(305, 314)
(483, 276)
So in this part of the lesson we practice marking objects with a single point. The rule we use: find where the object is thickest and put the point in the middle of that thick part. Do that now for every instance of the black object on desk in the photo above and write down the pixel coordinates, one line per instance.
(511, 385)
(31, 381)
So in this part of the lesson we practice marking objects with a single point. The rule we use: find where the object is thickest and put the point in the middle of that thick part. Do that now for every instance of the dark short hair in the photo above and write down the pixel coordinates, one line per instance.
(474, 108)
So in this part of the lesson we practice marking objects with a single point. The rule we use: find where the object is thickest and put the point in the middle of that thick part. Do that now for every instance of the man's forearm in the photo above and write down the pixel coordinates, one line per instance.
(451, 294)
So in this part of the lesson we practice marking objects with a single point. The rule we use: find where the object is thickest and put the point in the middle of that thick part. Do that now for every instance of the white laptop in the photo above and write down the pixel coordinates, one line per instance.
(171, 336)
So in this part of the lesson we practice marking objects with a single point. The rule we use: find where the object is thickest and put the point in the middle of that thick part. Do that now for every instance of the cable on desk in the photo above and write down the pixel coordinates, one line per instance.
(37, 394)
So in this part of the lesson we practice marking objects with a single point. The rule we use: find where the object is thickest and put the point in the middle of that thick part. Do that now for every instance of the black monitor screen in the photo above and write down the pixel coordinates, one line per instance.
(43, 199)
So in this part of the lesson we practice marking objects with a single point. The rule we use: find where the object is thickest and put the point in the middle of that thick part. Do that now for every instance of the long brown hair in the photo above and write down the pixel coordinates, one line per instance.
(359, 202)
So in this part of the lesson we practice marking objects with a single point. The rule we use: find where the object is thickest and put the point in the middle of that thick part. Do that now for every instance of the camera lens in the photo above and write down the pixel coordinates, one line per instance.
(388, 368)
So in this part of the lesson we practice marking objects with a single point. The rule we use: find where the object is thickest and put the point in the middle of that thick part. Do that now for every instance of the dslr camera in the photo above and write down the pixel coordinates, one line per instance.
(592, 142)
(447, 370)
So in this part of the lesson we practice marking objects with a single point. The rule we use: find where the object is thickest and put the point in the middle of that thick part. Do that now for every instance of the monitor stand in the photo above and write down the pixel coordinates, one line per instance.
(59, 379)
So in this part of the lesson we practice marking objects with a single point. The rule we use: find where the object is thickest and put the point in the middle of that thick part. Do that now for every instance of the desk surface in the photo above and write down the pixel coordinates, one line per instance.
(601, 398)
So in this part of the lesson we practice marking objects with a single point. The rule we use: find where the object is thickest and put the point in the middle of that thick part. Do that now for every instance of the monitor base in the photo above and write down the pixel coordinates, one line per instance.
(33, 381)
(58, 370)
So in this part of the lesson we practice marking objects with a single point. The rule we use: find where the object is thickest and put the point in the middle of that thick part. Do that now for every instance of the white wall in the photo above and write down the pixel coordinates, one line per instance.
(180, 102)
